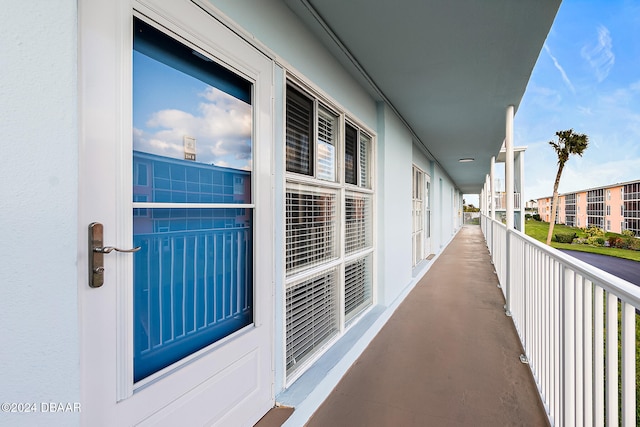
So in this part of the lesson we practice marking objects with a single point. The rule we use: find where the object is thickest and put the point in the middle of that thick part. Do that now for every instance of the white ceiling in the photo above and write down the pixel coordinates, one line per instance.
(448, 67)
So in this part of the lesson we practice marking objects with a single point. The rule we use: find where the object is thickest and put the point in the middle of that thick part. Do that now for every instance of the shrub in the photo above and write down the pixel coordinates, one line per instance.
(565, 237)
(628, 233)
(626, 242)
(594, 232)
(617, 242)
(595, 241)
(536, 217)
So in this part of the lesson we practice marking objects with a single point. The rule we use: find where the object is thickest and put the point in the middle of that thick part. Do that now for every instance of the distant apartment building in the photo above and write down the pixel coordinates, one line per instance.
(613, 208)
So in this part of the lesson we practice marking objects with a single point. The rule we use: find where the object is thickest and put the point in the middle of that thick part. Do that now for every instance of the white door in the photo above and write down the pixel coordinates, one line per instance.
(176, 124)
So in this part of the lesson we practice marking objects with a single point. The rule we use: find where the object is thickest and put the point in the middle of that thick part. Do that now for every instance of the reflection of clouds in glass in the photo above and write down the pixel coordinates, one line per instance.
(221, 127)
(226, 147)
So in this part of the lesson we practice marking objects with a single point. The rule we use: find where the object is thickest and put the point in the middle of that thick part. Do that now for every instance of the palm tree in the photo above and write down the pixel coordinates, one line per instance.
(568, 143)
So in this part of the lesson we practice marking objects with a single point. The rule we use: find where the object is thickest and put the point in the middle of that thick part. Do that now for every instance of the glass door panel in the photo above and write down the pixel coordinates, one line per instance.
(193, 211)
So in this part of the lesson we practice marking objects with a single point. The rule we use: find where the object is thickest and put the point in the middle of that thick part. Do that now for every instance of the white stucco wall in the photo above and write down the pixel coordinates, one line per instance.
(39, 359)
(395, 154)
(274, 25)
(443, 217)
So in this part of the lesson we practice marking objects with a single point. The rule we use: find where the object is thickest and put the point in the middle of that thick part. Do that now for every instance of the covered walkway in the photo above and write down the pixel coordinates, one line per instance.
(449, 356)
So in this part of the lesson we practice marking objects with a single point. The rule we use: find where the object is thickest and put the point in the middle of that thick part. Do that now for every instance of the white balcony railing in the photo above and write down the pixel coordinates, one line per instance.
(567, 314)
(501, 201)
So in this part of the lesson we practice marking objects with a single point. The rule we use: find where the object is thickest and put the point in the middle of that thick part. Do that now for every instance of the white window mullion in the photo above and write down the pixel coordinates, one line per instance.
(342, 254)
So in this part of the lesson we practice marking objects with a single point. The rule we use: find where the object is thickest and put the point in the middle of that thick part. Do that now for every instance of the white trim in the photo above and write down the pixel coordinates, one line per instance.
(157, 205)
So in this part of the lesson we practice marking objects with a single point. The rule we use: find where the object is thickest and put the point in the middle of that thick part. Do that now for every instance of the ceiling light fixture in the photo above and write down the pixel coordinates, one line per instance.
(466, 160)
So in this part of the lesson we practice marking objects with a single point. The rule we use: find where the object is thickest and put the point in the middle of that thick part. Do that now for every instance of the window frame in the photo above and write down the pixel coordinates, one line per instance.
(362, 258)
(418, 229)
(314, 137)
(146, 208)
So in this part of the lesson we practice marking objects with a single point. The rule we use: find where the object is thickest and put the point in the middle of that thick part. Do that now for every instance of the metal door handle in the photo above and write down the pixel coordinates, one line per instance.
(96, 254)
(109, 249)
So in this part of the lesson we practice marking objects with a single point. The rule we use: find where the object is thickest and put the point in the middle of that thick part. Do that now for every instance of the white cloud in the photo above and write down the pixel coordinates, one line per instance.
(600, 56)
(222, 129)
(565, 78)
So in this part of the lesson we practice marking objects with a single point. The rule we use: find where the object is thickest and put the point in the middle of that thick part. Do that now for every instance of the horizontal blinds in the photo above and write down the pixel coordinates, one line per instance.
(350, 154)
(310, 231)
(327, 126)
(299, 133)
(327, 137)
(312, 317)
(357, 287)
(358, 222)
(365, 160)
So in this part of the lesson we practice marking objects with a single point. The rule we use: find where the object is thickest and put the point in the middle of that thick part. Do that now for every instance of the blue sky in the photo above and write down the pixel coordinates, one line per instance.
(587, 77)
(220, 123)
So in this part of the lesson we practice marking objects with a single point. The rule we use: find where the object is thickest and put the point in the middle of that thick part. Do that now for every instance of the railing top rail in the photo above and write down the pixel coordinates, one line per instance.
(197, 232)
(498, 223)
(624, 290)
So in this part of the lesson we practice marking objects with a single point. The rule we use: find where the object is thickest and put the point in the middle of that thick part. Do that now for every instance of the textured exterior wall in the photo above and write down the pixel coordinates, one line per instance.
(39, 359)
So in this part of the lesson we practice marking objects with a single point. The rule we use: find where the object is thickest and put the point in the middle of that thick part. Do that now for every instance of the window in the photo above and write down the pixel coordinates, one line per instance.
(193, 276)
(328, 226)
(327, 138)
(356, 157)
(301, 132)
(608, 209)
(350, 154)
(608, 194)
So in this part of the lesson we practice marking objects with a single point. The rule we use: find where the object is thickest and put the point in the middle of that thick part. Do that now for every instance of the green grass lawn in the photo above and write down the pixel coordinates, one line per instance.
(538, 230)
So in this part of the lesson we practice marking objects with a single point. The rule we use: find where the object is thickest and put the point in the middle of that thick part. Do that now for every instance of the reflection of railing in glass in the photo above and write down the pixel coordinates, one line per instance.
(190, 289)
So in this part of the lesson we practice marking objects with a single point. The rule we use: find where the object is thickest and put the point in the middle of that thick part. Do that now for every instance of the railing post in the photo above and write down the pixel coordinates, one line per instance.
(628, 365)
(611, 357)
(568, 353)
(598, 356)
(509, 270)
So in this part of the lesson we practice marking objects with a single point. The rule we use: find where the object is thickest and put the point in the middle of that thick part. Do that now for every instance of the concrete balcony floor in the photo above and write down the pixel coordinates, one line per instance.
(448, 356)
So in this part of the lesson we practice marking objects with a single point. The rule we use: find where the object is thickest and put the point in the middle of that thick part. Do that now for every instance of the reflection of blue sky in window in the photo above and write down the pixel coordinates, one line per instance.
(169, 104)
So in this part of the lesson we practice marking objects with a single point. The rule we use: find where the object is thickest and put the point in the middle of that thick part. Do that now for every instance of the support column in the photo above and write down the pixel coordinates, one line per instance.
(485, 199)
(492, 183)
(520, 190)
(509, 201)
(509, 168)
